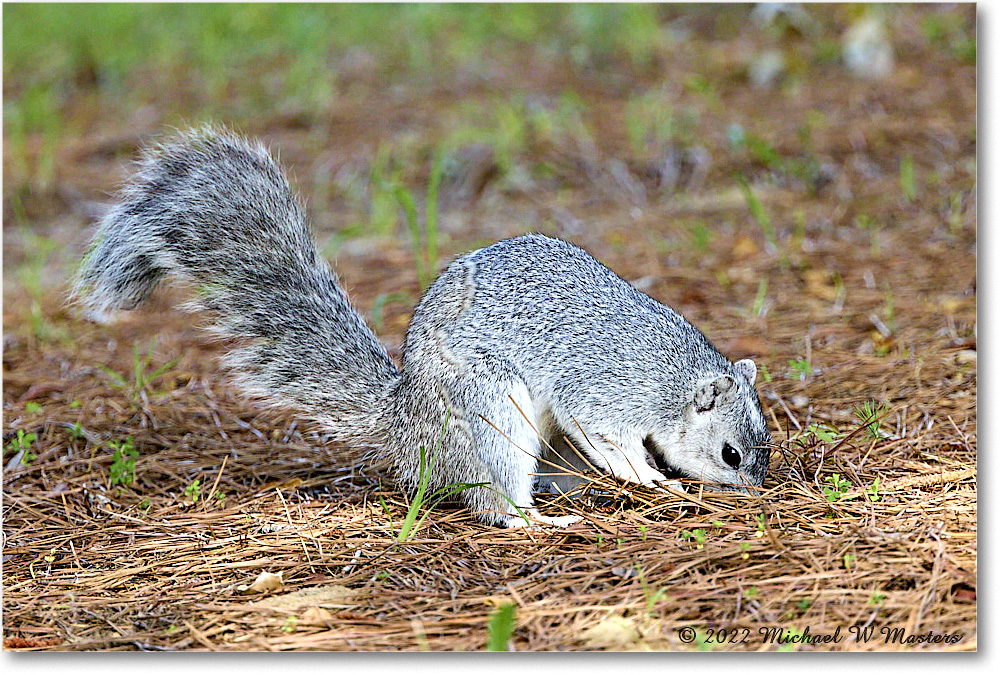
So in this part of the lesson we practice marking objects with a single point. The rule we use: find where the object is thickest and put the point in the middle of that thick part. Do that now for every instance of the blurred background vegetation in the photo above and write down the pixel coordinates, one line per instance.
(68, 68)
(549, 115)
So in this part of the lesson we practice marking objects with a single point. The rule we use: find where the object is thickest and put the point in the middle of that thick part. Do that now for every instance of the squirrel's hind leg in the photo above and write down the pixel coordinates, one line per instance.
(504, 428)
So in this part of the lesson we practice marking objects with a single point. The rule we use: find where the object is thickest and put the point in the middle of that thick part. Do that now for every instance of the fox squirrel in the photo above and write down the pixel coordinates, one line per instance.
(527, 339)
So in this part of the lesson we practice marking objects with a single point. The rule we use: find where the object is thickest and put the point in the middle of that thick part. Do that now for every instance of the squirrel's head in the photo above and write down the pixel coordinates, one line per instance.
(724, 438)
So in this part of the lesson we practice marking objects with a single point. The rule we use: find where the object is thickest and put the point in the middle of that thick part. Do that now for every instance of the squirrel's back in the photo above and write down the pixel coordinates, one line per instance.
(566, 321)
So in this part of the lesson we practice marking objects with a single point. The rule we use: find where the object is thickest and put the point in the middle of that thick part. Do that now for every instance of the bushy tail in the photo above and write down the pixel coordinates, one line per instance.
(215, 210)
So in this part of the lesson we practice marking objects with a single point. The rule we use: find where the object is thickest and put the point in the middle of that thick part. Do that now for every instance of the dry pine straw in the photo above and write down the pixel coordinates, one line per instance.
(92, 567)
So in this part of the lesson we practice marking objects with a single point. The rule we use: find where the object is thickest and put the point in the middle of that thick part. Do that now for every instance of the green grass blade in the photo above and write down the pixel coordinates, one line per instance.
(441, 494)
(757, 209)
(500, 628)
(906, 178)
(162, 369)
(388, 514)
(381, 301)
(418, 499)
(405, 199)
(430, 230)
(117, 379)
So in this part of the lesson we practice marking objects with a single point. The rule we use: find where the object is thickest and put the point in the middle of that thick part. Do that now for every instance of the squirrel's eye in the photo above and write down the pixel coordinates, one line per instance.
(730, 456)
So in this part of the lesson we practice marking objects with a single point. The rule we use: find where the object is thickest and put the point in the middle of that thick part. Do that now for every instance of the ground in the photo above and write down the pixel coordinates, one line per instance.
(820, 222)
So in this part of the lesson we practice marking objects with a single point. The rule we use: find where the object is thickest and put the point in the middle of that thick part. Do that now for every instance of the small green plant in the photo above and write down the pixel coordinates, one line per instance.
(907, 181)
(500, 628)
(799, 233)
(764, 373)
(872, 492)
(122, 471)
(761, 524)
(759, 149)
(751, 593)
(643, 530)
(220, 498)
(291, 623)
(652, 596)
(193, 491)
(890, 307)
(650, 122)
(869, 415)
(838, 486)
(382, 215)
(757, 210)
(849, 559)
(31, 407)
(700, 85)
(22, 443)
(76, 431)
(425, 243)
(933, 27)
(33, 114)
(698, 535)
(801, 368)
(873, 228)
(145, 505)
(139, 388)
(878, 597)
(823, 432)
(700, 235)
(758, 301)
(804, 604)
(32, 276)
(422, 499)
(745, 550)
(74, 404)
(805, 166)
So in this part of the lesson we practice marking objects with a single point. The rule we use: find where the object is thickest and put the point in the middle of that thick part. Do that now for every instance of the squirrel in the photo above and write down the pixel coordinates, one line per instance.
(525, 340)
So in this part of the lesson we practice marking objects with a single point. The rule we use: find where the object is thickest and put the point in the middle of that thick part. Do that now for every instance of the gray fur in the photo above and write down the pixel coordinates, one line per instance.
(530, 337)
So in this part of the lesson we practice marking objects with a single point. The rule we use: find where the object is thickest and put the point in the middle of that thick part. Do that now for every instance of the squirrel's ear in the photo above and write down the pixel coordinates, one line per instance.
(747, 368)
(719, 390)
